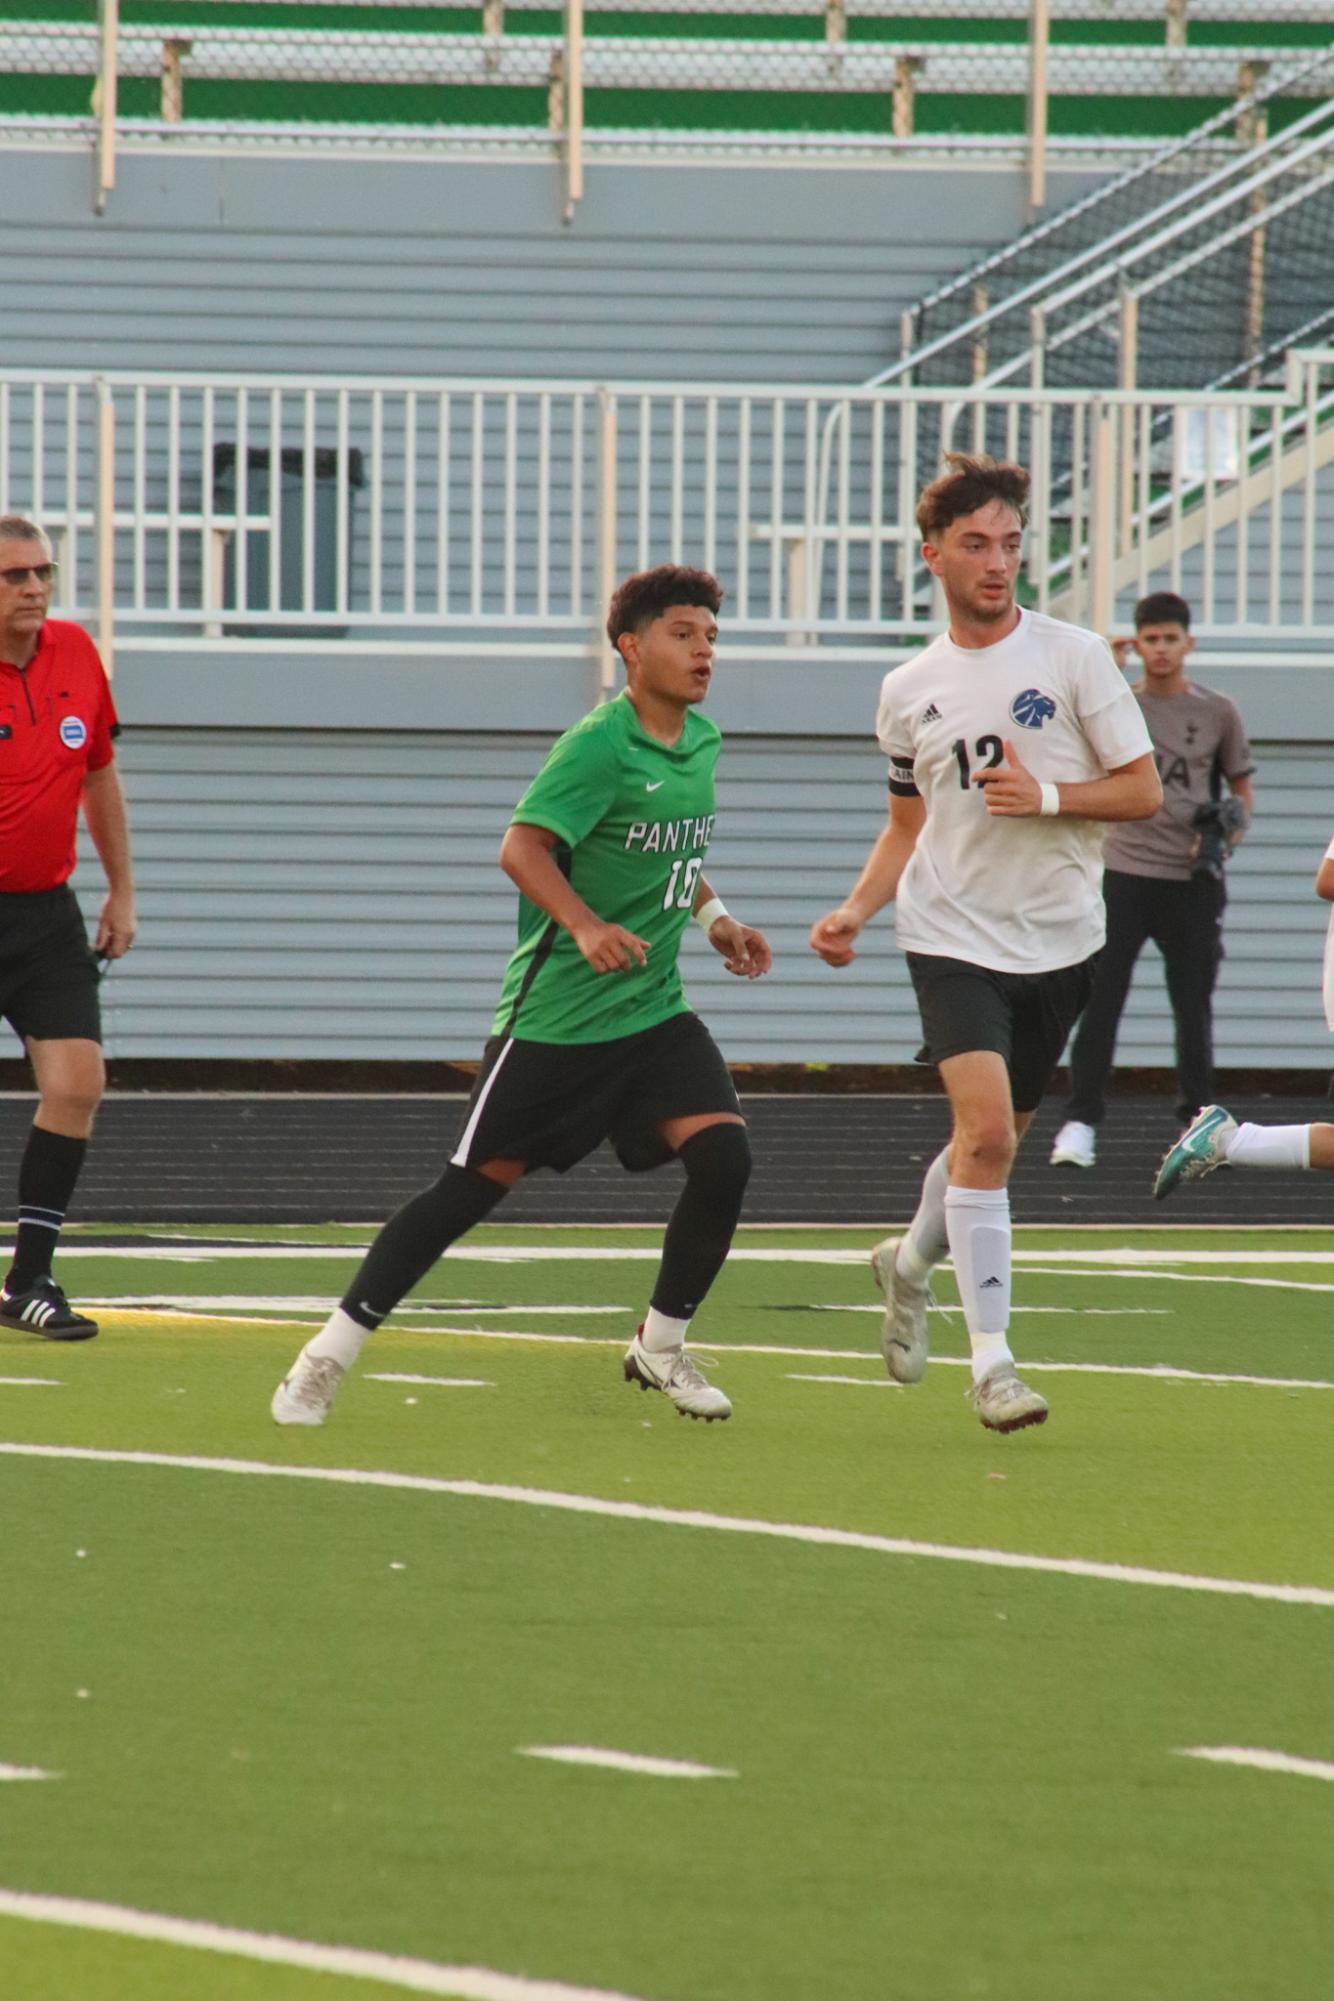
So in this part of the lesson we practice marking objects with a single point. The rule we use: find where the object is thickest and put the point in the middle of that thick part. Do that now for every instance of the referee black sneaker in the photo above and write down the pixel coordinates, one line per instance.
(43, 1309)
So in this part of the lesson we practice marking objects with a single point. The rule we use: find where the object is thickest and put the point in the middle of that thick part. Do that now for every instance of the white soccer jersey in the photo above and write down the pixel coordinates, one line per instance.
(1017, 895)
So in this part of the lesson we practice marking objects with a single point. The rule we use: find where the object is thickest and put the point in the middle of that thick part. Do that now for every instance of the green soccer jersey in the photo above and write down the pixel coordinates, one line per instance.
(634, 818)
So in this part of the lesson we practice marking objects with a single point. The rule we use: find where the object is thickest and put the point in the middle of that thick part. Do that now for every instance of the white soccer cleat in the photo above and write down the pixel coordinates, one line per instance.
(1201, 1148)
(1076, 1145)
(306, 1393)
(673, 1371)
(1004, 1403)
(903, 1339)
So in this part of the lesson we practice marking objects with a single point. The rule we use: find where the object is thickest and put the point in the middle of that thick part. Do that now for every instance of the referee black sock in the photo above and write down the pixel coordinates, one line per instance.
(47, 1174)
(411, 1241)
(703, 1223)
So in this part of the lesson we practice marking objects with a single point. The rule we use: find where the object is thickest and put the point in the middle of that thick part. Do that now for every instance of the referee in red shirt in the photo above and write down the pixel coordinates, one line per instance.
(57, 721)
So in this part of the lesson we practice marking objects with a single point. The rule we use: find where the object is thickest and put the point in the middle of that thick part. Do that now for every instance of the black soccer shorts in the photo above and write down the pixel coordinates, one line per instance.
(551, 1103)
(1024, 1017)
(48, 975)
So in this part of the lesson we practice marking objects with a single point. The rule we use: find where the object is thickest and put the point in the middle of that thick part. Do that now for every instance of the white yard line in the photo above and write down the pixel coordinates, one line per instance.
(691, 1518)
(416, 1976)
(1236, 1254)
(278, 1303)
(8, 1772)
(541, 1336)
(625, 1761)
(31, 1382)
(1262, 1761)
(1158, 1370)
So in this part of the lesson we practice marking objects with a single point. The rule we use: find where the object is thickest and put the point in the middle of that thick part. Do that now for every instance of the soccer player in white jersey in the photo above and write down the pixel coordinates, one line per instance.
(1010, 738)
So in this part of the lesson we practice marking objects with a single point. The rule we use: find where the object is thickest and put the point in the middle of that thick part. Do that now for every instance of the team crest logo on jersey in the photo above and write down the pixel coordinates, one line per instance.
(73, 732)
(1032, 709)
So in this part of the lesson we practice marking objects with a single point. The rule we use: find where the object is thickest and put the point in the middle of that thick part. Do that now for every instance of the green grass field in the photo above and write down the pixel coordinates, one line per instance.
(948, 1736)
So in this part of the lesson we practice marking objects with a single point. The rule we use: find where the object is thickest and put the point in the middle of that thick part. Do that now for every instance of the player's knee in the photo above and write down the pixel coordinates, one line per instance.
(717, 1161)
(989, 1146)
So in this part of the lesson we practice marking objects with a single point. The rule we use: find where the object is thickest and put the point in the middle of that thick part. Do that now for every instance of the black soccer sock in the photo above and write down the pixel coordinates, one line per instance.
(411, 1241)
(703, 1223)
(47, 1174)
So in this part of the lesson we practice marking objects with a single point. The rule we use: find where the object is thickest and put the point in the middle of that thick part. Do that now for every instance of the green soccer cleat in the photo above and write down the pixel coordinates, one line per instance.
(1201, 1148)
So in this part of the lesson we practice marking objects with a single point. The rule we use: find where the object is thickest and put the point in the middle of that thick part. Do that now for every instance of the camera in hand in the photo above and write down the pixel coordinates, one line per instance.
(1220, 823)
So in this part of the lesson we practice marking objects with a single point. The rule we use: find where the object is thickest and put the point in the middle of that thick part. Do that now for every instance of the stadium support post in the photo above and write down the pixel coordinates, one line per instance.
(104, 101)
(574, 106)
(1039, 42)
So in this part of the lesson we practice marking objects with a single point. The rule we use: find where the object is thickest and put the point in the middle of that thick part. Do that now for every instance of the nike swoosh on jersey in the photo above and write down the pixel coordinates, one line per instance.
(654, 787)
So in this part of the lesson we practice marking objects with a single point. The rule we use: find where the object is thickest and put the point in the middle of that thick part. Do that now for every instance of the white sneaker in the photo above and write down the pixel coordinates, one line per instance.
(903, 1338)
(1004, 1403)
(673, 1371)
(306, 1393)
(1076, 1145)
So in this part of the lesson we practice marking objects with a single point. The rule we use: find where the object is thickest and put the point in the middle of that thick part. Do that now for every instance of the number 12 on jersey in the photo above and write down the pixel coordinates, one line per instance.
(989, 751)
(686, 898)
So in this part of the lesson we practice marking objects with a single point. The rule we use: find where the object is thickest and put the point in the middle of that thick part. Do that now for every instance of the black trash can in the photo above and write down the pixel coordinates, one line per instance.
(291, 532)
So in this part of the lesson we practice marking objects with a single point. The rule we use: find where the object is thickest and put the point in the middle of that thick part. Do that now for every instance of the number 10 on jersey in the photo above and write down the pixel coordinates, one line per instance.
(688, 873)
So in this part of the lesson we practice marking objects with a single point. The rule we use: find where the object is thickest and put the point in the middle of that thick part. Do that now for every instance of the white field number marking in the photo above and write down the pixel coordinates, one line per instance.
(435, 1382)
(417, 1976)
(625, 1761)
(1261, 1761)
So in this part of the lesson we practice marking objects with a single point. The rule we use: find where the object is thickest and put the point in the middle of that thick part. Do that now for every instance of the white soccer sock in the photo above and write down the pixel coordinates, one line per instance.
(927, 1240)
(1270, 1146)
(341, 1339)
(978, 1221)
(661, 1332)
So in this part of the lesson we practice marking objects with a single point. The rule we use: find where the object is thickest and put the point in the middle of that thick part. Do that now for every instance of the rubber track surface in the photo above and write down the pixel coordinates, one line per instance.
(818, 1159)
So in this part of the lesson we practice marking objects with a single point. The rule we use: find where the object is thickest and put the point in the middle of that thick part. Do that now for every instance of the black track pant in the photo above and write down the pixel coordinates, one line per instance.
(1185, 922)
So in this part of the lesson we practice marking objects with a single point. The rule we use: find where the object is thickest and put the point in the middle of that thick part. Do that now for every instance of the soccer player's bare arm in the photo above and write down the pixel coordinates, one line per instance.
(526, 855)
(108, 824)
(832, 936)
(1128, 792)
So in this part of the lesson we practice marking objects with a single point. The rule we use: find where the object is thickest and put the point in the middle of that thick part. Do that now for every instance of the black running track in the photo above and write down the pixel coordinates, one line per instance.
(818, 1159)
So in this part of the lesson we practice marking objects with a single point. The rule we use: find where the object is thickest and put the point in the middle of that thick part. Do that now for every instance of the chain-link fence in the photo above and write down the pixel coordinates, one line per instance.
(800, 64)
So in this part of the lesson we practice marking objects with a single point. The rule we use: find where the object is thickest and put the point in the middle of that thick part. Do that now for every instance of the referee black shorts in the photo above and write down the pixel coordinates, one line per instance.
(48, 975)
(552, 1103)
(1024, 1017)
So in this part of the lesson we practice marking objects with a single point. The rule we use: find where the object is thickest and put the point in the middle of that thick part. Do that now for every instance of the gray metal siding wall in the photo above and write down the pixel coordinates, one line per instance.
(309, 894)
(364, 266)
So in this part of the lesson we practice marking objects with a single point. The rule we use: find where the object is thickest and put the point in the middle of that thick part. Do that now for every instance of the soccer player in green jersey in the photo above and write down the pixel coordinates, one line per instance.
(594, 1038)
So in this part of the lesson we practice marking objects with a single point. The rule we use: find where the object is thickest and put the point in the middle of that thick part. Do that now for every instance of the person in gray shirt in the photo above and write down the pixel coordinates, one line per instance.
(1163, 878)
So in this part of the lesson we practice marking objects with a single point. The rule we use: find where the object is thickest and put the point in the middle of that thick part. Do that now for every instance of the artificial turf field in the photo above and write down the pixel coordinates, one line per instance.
(949, 1741)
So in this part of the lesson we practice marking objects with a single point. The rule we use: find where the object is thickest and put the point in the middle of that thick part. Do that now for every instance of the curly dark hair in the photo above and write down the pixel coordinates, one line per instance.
(972, 481)
(648, 594)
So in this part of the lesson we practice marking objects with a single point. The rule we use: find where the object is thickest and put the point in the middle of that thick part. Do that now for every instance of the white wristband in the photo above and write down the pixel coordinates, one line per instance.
(708, 914)
(1051, 800)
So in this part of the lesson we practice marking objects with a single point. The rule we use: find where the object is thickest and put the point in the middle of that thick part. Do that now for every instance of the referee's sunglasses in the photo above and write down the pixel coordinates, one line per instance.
(41, 572)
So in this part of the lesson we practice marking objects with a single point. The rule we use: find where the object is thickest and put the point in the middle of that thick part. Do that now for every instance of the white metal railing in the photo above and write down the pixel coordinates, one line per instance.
(1107, 226)
(483, 518)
